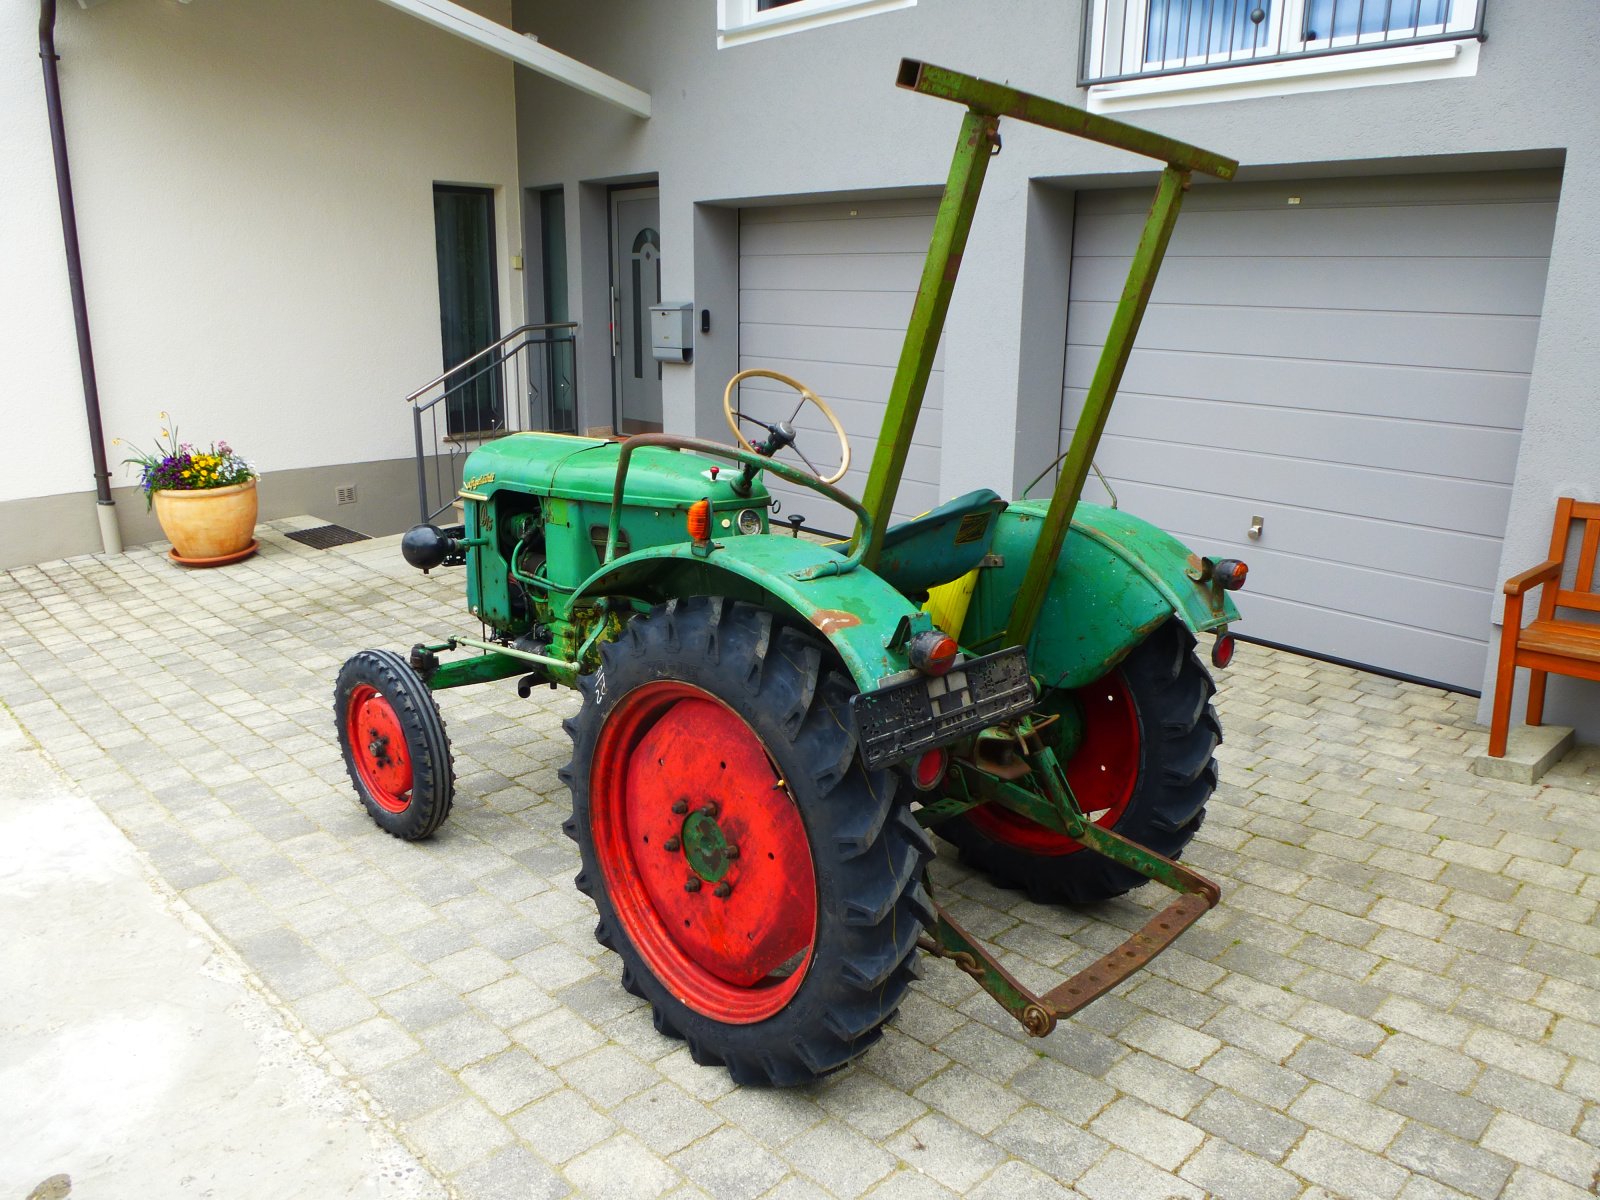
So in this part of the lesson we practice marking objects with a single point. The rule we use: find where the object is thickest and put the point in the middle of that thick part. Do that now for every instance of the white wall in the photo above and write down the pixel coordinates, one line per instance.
(254, 184)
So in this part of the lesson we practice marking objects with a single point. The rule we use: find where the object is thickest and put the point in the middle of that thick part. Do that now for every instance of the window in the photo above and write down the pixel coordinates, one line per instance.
(751, 20)
(1136, 48)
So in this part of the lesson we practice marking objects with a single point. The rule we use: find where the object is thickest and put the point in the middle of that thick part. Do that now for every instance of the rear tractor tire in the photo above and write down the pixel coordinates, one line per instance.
(762, 889)
(1144, 769)
(394, 744)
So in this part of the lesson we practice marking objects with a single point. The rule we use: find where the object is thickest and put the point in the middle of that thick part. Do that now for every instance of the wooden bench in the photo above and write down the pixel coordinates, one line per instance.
(1570, 647)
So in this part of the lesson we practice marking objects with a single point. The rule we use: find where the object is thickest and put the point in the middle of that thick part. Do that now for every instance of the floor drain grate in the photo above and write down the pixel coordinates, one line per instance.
(325, 537)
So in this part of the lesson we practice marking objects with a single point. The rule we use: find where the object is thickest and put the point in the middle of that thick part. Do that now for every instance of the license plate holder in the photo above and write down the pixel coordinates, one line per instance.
(919, 714)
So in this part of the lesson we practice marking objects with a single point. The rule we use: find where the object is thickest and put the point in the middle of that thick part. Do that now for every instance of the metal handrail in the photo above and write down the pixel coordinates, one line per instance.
(489, 349)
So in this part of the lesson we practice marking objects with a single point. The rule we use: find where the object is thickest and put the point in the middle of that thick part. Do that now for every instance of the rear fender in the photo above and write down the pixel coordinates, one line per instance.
(857, 611)
(1118, 578)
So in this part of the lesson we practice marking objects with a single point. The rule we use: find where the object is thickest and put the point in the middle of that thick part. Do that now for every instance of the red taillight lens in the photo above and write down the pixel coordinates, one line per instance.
(932, 652)
(700, 520)
(1222, 650)
(929, 770)
(1230, 573)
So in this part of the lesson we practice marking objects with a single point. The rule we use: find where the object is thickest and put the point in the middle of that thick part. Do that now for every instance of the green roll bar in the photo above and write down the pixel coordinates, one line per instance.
(979, 139)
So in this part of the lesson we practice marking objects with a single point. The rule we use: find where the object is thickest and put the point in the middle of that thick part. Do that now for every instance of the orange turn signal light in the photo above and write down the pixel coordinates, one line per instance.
(1230, 573)
(699, 521)
(932, 652)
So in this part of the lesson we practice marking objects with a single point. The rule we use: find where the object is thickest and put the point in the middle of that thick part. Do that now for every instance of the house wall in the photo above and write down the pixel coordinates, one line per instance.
(254, 193)
(816, 113)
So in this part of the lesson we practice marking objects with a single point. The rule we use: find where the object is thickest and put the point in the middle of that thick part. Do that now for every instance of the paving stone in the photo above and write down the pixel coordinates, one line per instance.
(1170, 1041)
(467, 1038)
(1451, 1161)
(1436, 1106)
(458, 1134)
(509, 1081)
(1359, 1122)
(372, 1045)
(1543, 1105)
(1250, 1075)
(1343, 1168)
(620, 1169)
(1528, 1184)
(867, 1104)
(1543, 1149)
(512, 1174)
(1157, 1083)
(967, 1097)
(1069, 1094)
(772, 1116)
(666, 1118)
(910, 1184)
(1328, 1064)
(729, 1165)
(1060, 1149)
(1120, 1176)
(608, 1076)
(1147, 1132)
(413, 1086)
(1228, 1173)
(1019, 1181)
(840, 1160)
(1518, 1056)
(561, 1126)
(949, 1153)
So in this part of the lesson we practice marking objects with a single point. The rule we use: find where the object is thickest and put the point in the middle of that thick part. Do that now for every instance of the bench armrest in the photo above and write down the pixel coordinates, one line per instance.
(1533, 577)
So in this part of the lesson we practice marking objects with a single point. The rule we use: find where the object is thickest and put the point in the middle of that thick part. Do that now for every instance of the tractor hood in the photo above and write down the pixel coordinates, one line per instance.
(585, 469)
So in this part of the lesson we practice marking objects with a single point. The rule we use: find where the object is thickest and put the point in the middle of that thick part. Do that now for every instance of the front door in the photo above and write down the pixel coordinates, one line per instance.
(635, 286)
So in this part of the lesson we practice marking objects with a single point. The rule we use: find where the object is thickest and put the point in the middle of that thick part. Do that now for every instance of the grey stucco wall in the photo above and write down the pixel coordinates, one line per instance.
(817, 113)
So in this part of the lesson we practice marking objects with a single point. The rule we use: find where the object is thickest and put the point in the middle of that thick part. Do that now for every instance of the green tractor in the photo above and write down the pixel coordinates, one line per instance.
(770, 725)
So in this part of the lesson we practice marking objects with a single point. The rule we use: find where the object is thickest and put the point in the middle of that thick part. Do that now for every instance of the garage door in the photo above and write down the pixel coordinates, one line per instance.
(825, 292)
(1348, 361)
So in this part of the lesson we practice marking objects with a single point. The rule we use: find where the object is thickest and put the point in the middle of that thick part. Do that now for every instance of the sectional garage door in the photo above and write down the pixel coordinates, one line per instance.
(825, 292)
(1347, 360)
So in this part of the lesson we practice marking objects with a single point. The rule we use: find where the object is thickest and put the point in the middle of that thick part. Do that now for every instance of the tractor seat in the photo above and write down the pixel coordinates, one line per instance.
(940, 545)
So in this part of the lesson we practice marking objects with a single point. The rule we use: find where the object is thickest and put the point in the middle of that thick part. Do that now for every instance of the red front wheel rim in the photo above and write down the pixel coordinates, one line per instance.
(378, 748)
(704, 853)
(1102, 772)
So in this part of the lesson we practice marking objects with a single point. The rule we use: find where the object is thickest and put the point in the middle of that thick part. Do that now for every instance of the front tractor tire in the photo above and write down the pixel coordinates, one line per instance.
(394, 743)
(1144, 769)
(762, 889)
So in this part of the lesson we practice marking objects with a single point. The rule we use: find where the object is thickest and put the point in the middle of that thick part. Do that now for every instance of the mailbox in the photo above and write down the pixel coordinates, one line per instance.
(672, 331)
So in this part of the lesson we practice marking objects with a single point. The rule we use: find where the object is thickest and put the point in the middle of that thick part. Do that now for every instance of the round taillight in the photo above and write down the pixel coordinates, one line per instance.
(929, 770)
(1230, 573)
(700, 520)
(1222, 650)
(932, 652)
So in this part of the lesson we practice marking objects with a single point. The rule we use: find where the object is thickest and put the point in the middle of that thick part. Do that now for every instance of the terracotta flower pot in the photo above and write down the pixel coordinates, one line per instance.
(209, 526)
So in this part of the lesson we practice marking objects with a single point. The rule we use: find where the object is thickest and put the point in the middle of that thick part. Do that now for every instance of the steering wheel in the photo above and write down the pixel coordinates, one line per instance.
(782, 433)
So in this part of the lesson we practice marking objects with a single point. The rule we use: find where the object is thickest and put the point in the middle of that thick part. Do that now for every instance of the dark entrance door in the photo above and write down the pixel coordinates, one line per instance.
(469, 307)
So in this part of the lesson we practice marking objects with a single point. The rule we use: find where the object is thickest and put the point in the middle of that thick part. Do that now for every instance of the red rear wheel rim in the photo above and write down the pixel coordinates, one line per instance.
(1102, 772)
(378, 747)
(678, 778)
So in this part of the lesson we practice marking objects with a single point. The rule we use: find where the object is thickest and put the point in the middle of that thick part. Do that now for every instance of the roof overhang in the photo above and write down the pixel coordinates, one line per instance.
(521, 48)
(525, 50)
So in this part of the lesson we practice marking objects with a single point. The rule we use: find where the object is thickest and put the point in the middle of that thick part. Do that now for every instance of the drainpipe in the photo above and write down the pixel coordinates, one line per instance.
(105, 507)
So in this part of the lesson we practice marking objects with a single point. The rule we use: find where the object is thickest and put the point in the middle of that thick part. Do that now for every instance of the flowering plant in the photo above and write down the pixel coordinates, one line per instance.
(183, 466)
